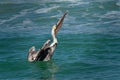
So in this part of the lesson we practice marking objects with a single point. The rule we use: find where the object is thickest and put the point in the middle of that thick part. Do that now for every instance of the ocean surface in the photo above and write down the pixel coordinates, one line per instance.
(88, 42)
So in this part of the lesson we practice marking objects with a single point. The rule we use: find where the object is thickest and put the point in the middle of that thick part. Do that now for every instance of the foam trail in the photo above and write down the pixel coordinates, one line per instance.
(45, 10)
(111, 14)
(22, 13)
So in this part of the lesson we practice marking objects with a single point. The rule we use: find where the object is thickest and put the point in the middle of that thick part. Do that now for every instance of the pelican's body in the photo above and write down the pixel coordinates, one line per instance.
(47, 50)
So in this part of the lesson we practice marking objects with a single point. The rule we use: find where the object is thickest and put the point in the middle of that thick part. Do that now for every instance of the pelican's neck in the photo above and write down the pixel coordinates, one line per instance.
(54, 36)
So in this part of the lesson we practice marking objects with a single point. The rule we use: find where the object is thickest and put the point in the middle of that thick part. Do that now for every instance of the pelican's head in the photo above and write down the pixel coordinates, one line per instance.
(54, 30)
(54, 27)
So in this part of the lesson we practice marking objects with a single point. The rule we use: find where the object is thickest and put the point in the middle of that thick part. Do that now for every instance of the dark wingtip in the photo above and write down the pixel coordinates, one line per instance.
(66, 13)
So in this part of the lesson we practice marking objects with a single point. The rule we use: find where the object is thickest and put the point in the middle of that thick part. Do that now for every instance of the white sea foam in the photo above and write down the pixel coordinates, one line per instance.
(118, 3)
(113, 21)
(55, 16)
(111, 14)
(22, 13)
(77, 4)
(27, 21)
(45, 10)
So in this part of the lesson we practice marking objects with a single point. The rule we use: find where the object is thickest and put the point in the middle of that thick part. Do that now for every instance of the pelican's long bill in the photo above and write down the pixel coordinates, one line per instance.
(59, 23)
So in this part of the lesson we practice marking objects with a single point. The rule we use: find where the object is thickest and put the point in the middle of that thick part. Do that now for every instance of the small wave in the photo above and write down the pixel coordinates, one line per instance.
(22, 13)
(118, 3)
(55, 16)
(19, 1)
(111, 14)
(45, 10)
(67, 0)
(78, 3)
(113, 21)
(27, 21)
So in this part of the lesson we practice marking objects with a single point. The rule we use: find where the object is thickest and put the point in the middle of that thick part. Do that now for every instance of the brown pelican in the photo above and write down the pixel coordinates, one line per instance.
(47, 50)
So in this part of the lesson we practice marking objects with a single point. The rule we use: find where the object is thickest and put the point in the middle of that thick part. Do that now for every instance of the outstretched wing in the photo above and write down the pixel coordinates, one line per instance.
(46, 44)
(41, 54)
(59, 23)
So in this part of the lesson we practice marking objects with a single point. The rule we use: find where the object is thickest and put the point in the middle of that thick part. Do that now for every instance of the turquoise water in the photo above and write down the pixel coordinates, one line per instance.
(89, 40)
